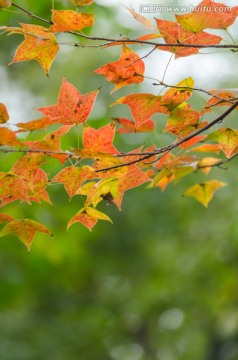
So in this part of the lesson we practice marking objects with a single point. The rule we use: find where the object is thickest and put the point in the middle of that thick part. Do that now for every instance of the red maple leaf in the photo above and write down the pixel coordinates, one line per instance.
(128, 70)
(72, 107)
(173, 33)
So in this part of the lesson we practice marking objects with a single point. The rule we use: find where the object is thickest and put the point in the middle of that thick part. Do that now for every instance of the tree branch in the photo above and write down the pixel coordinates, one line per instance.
(32, 15)
(127, 40)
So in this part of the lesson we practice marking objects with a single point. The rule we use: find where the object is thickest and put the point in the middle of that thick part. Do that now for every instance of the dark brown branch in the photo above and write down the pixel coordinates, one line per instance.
(208, 126)
(145, 42)
(175, 144)
(111, 41)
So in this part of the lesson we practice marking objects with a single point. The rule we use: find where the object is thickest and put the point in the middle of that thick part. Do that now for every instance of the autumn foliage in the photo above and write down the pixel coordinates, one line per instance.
(98, 171)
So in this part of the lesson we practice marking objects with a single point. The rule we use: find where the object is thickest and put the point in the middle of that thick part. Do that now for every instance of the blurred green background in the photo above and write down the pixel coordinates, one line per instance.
(161, 282)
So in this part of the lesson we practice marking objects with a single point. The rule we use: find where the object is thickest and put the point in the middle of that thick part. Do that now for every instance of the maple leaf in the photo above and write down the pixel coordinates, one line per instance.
(165, 172)
(113, 165)
(11, 185)
(86, 188)
(5, 3)
(207, 148)
(25, 181)
(165, 159)
(73, 177)
(72, 107)
(219, 99)
(178, 94)
(82, 2)
(181, 119)
(128, 70)
(37, 184)
(206, 163)
(25, 230)
(173, 33)
(142, 106)
(5, 218)
(104, 189)
(101, 139)
(201, 18)
(41, 123)
(88, 216)
(26, 165)
(128, 126)
(131, 177)
(227, 139)
(150, 149)
(149, 37)
(69, 20)
(163, 178)
(51, 144)
(39, 44)
(187, 144)
(141, 19)
(204, 192)
(8, 137)
(182, 171)
(173, 171)
(4, 117)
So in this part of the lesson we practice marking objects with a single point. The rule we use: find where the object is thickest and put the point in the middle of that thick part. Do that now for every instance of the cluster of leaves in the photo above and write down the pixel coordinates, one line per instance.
(99, 171)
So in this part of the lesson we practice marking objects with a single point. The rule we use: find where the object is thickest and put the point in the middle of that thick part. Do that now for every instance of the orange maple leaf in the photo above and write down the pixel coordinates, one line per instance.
(39, 44)
(128, 126)
(173, 33)
(207, 148)
(205, 15)
(143, 106)
(101, 139)
(5, 218)
(5, 3)
(4, 117)
(72, 107)
(25, 181)
(82, 2)
(131, 177)
(187, 144)
(128, 70)
(73, 177)
(41, 123)
(182, 120)
(69, 20)
(8, 137)
(88, 216)
(219, 99)
(51, 143)
(11, 185)
(205, 164)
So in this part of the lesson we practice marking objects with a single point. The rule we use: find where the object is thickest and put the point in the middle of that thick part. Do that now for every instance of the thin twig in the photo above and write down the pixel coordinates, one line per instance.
(32, 15)
(219, 163)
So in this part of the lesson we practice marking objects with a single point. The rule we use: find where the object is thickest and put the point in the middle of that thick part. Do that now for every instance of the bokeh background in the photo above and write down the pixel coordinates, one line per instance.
(161, 282)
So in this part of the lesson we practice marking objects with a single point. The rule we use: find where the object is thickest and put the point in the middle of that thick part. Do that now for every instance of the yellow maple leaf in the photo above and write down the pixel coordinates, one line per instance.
(40, 44)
